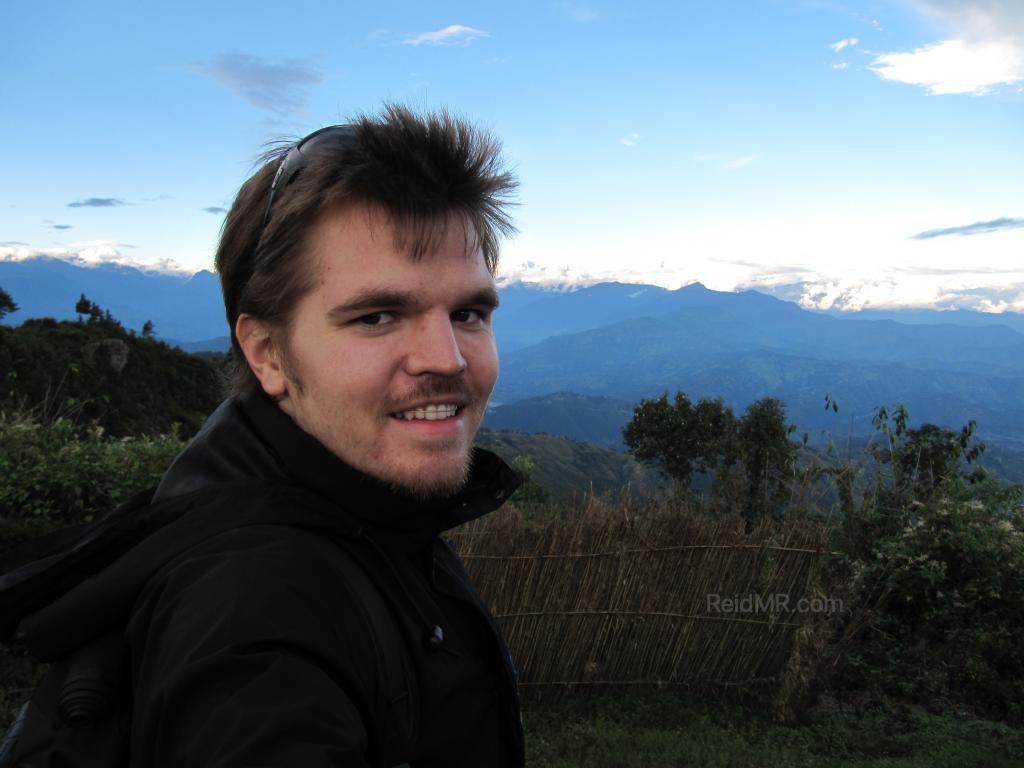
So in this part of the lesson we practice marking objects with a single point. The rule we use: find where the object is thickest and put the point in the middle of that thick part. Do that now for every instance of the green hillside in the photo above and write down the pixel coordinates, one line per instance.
(565, 466)
(597, 420)
(96, 372)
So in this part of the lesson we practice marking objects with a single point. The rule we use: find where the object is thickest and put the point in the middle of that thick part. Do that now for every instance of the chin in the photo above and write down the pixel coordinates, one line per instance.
(426, 483)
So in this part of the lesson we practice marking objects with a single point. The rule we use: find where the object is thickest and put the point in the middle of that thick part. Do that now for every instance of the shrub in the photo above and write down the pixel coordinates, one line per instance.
(54, 475)
(939, 551)
(529, 490)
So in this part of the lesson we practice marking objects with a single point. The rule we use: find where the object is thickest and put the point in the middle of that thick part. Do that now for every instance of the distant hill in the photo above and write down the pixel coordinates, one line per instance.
(745, 346)
(530, 315)
(220, 344)
(597, 420)
(565, 466)
(966, 317)
(182, 307)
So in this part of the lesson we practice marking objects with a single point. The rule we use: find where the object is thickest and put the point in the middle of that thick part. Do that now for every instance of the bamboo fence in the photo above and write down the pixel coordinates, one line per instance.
(602, 600)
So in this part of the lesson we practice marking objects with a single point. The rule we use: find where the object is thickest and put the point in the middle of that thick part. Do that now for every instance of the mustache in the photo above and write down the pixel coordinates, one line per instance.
(428, 388)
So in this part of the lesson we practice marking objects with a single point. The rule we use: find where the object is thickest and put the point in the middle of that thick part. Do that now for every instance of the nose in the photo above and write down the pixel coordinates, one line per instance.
(435, 348)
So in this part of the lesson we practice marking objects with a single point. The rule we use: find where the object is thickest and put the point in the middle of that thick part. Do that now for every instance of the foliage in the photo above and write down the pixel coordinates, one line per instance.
(768, 455)
(92, 311)
(51, 475)
(939, 549)
(7, 304)
(529, 491)
(682, 438)
(931, 546)
(94, 372)
(919, 459)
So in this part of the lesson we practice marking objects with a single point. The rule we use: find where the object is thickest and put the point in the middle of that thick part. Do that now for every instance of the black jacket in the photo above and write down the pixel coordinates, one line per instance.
(272, 606)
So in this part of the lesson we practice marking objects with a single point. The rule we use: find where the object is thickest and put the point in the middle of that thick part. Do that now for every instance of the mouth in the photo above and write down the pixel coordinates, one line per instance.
(431, 412)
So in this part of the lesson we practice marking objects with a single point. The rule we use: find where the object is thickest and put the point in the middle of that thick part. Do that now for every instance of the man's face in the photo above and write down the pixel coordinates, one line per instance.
(389, 362)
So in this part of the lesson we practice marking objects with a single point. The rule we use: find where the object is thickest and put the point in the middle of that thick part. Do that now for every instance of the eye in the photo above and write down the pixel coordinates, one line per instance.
(470, 316)
(375, 319)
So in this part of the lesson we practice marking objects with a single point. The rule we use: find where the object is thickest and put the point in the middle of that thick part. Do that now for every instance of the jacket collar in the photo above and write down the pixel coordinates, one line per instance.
(251, 437)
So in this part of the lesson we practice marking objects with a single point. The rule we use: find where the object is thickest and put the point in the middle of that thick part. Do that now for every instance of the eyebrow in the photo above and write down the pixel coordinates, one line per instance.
(376, 298)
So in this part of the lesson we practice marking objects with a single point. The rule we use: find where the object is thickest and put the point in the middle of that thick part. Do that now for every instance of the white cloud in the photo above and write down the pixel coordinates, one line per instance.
(862, 258)
(852, 295)
(630, 140)
(453, 34)
(739, 162)
(91, 253)
(955, 66)
(837, 47)
(984, 48)
(840, 65)
(985, 304)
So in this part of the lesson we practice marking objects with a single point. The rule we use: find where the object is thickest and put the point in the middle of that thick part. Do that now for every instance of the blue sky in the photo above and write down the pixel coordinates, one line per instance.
(848, 153)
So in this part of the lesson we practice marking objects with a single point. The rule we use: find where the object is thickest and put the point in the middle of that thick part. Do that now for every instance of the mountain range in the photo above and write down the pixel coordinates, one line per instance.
(623, 342)
(182, 307)
(744, 346)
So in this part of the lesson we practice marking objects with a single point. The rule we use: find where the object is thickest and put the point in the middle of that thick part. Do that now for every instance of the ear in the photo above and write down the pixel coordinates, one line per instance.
(262, 354)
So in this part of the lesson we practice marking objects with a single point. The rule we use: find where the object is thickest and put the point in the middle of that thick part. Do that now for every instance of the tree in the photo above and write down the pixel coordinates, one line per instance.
(7, 304)
(147, 328)
(86, 308)
(94, 314)
(920, 459)
(529, 490)
(682, 438)
(767, 453)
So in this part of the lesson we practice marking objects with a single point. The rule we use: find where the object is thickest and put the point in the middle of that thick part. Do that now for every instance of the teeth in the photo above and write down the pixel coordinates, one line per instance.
(430, 413)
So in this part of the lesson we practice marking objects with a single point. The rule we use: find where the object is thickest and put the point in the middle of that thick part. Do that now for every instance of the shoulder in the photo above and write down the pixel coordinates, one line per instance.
(241, 643)
(256, 564)
(261, 559)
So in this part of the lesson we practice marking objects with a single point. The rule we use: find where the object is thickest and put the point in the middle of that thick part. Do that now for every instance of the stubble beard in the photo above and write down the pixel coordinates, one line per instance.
(420, 486)
(433, 488)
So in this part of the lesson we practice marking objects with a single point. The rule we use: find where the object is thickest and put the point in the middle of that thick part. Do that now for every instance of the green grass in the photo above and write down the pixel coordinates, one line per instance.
(661, 730)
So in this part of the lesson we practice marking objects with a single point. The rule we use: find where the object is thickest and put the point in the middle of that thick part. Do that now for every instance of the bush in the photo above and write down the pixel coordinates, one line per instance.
(951, 583)
(940, 557)
(529, 490)
(54, 475)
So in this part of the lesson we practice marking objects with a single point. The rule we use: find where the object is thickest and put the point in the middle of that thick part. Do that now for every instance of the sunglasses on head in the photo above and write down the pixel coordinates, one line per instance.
(298, 155)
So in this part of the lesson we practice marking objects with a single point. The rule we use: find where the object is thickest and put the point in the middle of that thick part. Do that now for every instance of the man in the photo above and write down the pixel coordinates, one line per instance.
(286, 599)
